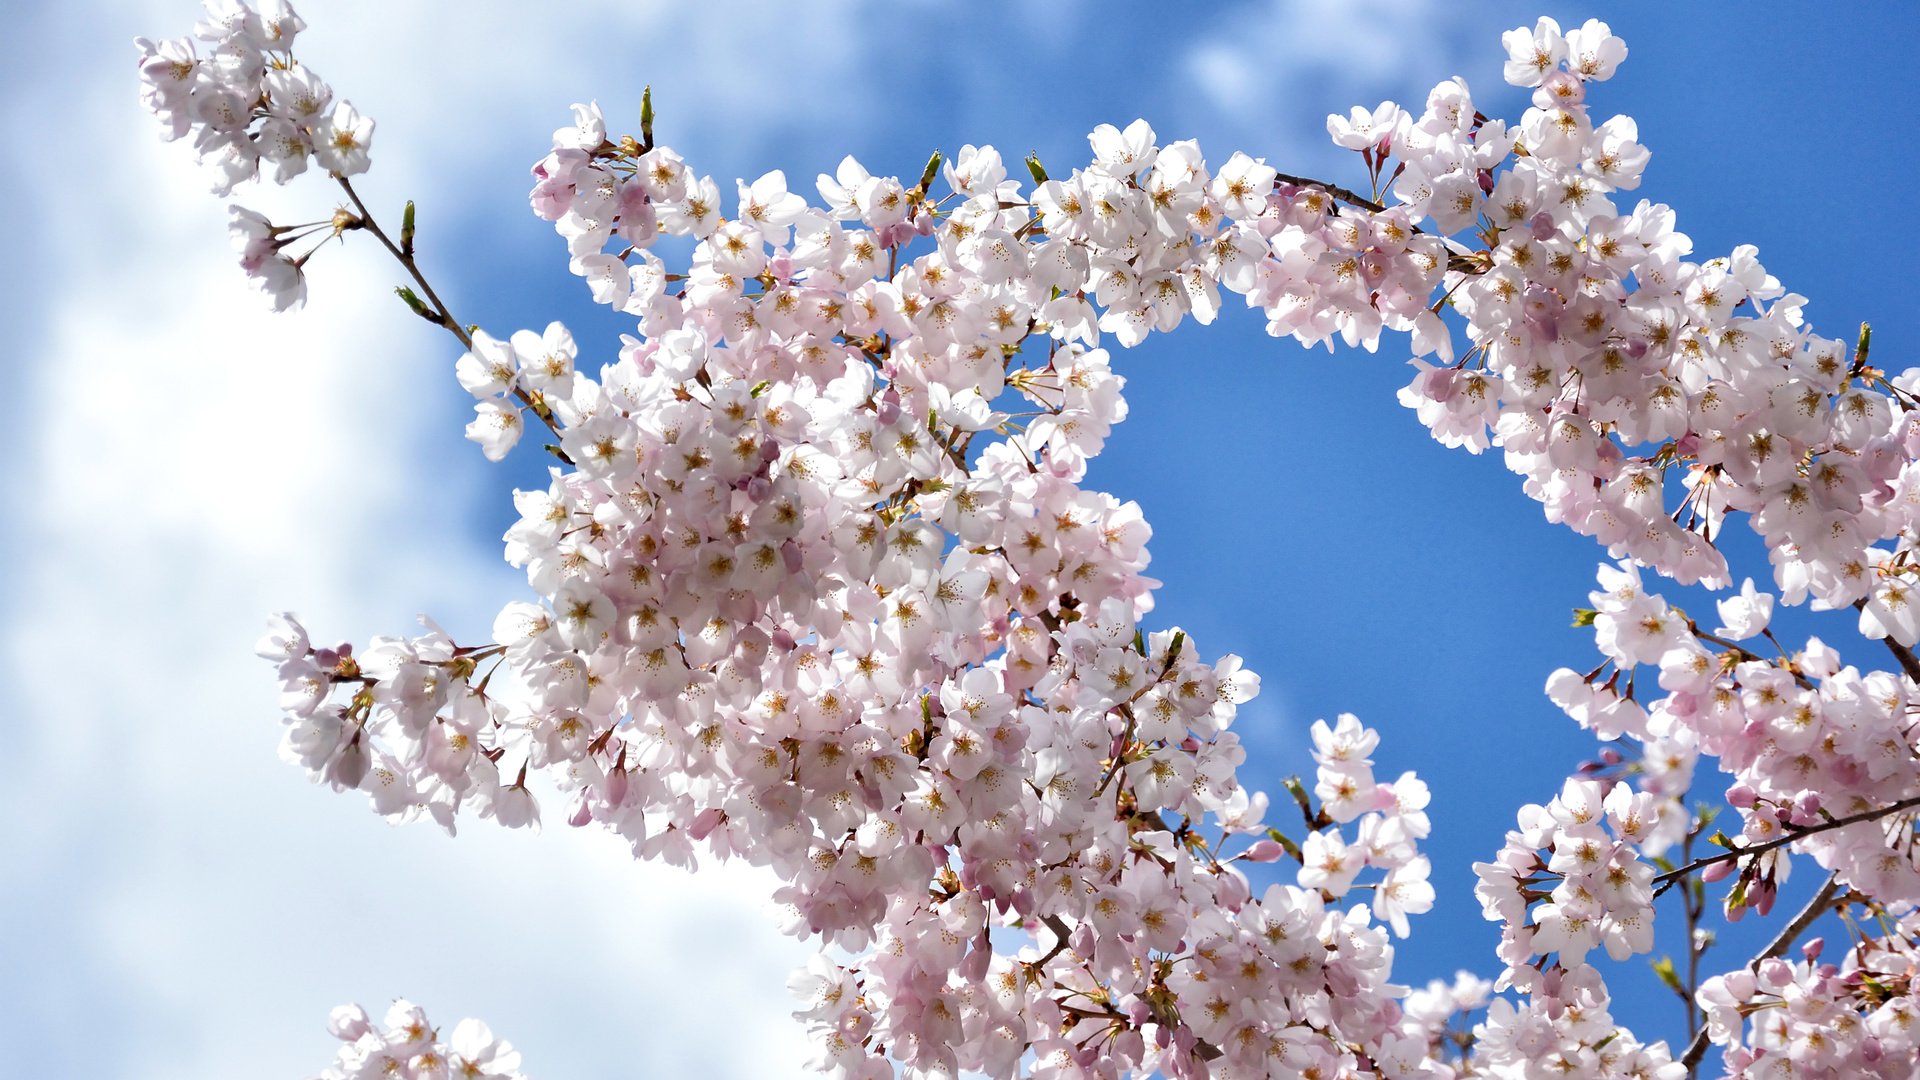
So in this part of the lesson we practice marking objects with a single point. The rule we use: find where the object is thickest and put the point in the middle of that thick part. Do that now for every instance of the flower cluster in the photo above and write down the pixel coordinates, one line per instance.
(1600, 891)
(405, 1044)
(819, 586)
(1808, 741)
(249, 102)
(1859, 1017)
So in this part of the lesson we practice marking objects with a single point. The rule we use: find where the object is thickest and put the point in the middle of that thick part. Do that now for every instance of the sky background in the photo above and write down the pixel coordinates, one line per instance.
(178, 903)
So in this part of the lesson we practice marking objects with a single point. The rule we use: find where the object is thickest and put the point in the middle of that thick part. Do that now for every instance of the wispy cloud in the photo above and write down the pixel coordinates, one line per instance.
(1272, 69)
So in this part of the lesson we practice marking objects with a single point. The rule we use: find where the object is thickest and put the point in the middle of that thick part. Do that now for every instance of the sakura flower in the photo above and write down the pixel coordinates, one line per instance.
(496, 428)
(341, 141)
(1745, 615)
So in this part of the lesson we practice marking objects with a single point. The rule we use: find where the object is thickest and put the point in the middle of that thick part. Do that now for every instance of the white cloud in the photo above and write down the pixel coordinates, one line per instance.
(1280, 65)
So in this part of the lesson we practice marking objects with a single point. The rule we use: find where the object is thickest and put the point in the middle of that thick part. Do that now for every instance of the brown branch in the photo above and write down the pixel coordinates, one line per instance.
(1783, 941)
(1666, 880)
(1909, 663)
(406, 260)
(1335, 190)
(440, 316)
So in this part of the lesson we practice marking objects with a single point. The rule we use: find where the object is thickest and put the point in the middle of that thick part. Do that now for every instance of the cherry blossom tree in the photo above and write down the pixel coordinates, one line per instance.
(821, 589)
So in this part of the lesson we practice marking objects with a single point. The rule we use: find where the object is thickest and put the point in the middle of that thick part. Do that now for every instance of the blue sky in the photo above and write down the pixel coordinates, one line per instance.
(179, 903)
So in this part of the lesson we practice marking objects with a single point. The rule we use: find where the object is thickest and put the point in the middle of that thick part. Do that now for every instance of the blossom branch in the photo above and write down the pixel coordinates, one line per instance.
(1343, 194)
(1816, 907)
(439, 314)
(1665, 881)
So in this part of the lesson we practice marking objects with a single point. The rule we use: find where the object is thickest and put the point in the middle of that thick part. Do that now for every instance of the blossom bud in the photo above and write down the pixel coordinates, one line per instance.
(1740, 796)
(350, 767)
(1439, 384)
(1717, 871)
(1264, 851)
(1811, 950)
(1775, 973)
(1081, 940)
(582, 813)
(1232, 892)
(974, 968)
(614, 788)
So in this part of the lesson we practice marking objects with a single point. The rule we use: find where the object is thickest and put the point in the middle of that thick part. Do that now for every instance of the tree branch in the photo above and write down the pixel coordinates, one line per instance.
(1909, 663)
(1335, 190)
(1666, 880)
(1783, 941)
(441, 316)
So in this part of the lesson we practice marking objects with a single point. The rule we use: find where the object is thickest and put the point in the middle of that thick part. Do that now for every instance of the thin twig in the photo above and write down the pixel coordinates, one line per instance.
(441, 315)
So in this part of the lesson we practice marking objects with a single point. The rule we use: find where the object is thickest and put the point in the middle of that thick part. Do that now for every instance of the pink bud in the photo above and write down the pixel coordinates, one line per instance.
(614, 790)
(1811, 950)
(1717, 871)
(1438, 384)
(1081, 940)
(581, 813)
(1740, 796)
(1264, 851)
(974, 968)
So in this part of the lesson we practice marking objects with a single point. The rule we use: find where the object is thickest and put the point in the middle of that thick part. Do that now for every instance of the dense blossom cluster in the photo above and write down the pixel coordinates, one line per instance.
(1855, 1018)
(820, 589)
